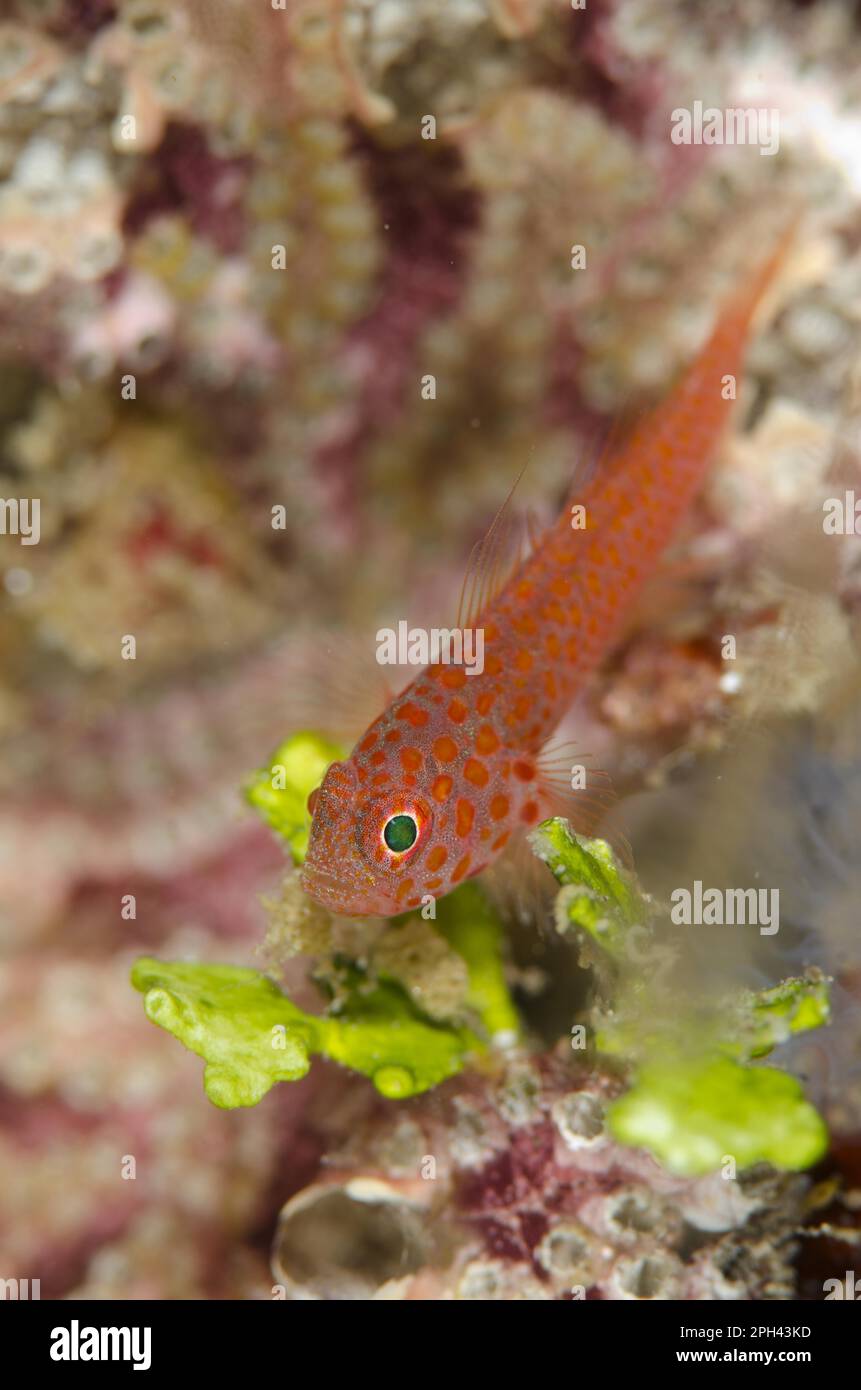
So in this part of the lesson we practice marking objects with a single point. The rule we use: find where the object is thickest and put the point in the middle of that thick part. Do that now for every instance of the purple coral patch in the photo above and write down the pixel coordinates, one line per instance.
(185, 174)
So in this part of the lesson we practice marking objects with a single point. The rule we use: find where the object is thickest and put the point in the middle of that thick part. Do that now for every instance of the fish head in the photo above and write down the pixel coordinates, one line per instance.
(363, 841)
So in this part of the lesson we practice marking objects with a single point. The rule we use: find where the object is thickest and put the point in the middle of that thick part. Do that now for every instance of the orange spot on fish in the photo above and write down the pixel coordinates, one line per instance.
(411, 759)
(445, 749)
(486, 740)
(413, 714)
(465, 817)
(382, 779)
(453, 678)
(499, 807)
(476, 773)
(404, 888)
(523, 660)
(457, 711)
(484, 703)
(529, 812)
(436, 858)
(441, 789)
(393, 735)
(525, 771)
(377, 759)
(501, 841)
(460, 869)
(367, 743)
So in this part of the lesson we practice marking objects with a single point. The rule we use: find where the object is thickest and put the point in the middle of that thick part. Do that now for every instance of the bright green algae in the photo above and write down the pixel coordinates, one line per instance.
(689, 1106)
(693, 1102)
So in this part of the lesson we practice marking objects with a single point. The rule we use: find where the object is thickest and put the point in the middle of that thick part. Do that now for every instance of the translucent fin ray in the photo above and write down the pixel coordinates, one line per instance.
(494, 559)
(585, 808)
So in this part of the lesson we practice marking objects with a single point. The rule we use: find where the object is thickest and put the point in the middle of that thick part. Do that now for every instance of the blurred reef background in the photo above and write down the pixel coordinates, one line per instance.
(234, 239)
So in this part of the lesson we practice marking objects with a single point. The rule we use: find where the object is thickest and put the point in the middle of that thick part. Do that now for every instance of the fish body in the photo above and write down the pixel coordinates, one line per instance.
(451, 770)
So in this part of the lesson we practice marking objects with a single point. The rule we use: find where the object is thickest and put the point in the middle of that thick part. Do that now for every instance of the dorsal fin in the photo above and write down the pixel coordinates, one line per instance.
(534, 531)
(492, 562)
(607, 446)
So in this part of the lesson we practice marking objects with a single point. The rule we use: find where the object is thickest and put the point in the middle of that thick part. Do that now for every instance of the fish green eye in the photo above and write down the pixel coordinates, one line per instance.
(400, 833)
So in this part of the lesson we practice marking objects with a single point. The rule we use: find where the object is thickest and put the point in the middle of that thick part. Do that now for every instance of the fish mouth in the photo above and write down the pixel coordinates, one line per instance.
(344, 899)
